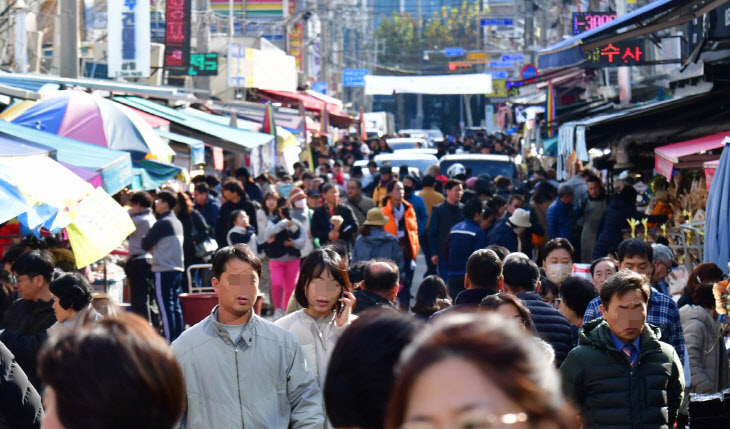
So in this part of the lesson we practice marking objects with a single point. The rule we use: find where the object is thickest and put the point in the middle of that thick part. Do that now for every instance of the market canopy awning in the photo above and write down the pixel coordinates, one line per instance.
(337, 118)
(688, 154)
(114, 166)
(13, 146)
(150, 174)
(229, 138)
(655, 16)
(197, 147)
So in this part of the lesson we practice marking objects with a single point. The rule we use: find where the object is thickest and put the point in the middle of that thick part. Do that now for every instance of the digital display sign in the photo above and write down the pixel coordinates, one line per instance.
(586, 21)
(626, 53)
(177, 35)
(203, 64)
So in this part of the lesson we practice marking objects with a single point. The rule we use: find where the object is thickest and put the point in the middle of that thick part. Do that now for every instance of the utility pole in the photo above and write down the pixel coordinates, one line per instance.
(624, 73)
(340, 59)
(419, 97)
(67, 47)
(202, 36)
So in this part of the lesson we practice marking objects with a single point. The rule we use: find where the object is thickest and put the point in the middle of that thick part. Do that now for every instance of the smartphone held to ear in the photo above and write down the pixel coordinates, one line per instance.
(340, 305)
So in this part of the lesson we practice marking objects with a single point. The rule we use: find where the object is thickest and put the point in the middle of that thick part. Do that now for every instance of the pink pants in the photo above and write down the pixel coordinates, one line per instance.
(284, 276)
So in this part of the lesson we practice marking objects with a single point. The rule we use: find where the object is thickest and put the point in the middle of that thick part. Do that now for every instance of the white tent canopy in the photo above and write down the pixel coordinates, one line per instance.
(436, 85)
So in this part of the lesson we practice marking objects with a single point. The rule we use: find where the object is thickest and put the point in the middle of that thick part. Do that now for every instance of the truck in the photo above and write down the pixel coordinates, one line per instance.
(377, 124)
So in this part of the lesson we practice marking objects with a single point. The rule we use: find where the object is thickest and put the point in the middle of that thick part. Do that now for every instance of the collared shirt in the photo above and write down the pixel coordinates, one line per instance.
(661, 312)
(619, 344)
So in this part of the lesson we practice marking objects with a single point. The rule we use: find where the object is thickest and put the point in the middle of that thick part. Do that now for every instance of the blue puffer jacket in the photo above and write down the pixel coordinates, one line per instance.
(551, 325)
(559, 219)
(465, 238)
(503, 235)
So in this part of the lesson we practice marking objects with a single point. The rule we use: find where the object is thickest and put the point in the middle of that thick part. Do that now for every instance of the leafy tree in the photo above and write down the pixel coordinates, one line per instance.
(399, 36)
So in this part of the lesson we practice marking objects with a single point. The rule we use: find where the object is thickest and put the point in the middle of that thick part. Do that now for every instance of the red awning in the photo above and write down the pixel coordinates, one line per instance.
(293, 99)
(152, 120)
(687, 154)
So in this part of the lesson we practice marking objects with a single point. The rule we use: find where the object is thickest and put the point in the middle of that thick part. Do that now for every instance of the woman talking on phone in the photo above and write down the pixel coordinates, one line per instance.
(324, 290)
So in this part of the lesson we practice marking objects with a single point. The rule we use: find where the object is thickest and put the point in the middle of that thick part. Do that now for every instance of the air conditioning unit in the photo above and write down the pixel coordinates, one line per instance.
(157, 61)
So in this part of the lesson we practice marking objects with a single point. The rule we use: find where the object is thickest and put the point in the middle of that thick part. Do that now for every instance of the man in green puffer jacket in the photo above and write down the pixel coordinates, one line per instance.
(621, 375)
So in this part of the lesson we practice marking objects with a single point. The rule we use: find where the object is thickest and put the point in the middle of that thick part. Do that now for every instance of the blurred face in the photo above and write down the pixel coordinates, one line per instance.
(454, 393)
(29, 286)
(242, 220)
(161, 207)
(230, 196)
(454, 194)
(514, 205)
(387, 177)
(270, 203)
(567, 199)
(626, 315)
(661, 269)
(237, 289)
(331, 196)
(50, 419)
(568, 312)
(594, 189)
(638, 264)
(397, 193)
(487, 223)
(353, 191)
(322, 294)
(200, 198)
(313, 202)
(62, 314)
(558, 256)
(509, 311)
(601, 272)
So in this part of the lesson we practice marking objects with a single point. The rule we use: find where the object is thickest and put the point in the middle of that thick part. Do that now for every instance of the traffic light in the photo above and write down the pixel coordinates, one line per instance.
(459, 65)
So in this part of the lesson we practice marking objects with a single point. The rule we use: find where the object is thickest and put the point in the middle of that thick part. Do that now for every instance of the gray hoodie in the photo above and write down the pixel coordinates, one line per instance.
(379, 244)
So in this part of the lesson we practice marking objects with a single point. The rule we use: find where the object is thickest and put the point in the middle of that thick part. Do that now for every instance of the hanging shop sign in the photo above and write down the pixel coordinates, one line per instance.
(203, 64)
(177, 35)
(630, 52)
(129, 38)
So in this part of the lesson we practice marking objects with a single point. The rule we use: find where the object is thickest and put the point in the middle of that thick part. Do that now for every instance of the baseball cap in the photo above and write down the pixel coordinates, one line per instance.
(664, 254)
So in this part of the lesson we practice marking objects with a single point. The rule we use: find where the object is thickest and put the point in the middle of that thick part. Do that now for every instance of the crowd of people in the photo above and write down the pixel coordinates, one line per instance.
(499, 332)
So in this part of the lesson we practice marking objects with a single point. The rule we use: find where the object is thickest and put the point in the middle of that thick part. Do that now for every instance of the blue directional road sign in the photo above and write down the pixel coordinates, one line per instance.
(454, 52)
(513, 57)
(354, 77)
(499, 22)
(498, 74)
(501, 64)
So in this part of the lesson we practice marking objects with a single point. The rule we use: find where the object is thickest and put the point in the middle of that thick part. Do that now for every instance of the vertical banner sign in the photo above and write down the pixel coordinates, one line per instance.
(236, 66)
(177, 34)
(295, 37)
(129, 38)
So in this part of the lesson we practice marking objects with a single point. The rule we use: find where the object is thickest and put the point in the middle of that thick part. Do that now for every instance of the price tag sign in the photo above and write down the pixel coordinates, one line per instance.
(586, 21)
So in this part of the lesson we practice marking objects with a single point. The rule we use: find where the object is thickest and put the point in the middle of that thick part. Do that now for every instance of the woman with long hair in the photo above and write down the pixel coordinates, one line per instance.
(431, 297)
(707, 272)
(325, 293)
(264, 214)
(476, 370)
(195, 228)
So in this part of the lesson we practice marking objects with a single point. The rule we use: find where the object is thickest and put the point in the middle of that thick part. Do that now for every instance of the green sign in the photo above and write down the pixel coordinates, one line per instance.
(203, 64)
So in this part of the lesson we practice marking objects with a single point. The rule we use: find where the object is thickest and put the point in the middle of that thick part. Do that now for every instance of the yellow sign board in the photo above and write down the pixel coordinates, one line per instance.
(499, 89)
(474, 56)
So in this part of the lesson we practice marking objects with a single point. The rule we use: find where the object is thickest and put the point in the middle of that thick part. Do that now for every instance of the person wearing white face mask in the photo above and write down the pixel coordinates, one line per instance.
(303, 214)
(558, 262)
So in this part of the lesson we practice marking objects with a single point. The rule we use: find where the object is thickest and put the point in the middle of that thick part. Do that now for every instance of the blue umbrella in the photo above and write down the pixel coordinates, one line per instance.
(717, 223)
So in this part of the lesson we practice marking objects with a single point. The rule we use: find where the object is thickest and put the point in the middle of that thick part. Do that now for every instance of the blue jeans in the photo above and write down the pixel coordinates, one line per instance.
(168, 286)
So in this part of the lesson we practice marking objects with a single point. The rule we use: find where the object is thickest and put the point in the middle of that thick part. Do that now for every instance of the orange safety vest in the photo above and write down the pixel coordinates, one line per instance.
(411, 224)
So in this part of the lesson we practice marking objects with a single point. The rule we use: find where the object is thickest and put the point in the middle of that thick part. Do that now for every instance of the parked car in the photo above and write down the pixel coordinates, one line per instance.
(419, 162)
(398, 143)
(492, 165)
(435, 135)
(428, 151)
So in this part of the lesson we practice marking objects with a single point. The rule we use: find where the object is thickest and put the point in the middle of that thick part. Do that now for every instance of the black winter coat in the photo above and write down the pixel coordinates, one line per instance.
(367, 300)
(191, 221)
(223, 224)
(20, 403)
(25, 330)
(321, 225)
(614, 219)
(610, 393)
(551, 325)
